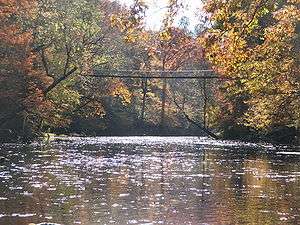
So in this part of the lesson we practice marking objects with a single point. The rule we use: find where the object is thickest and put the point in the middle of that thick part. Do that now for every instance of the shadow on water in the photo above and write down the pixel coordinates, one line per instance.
(148, 180)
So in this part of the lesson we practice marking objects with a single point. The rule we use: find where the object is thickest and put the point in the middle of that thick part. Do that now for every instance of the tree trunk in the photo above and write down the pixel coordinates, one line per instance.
(45, 92)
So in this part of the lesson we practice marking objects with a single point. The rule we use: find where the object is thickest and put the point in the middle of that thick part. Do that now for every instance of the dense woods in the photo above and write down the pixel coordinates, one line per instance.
(54, 52)
(256, 44)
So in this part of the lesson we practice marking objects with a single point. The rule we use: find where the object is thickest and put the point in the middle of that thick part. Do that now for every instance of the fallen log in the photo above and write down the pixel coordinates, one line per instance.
(199, 125)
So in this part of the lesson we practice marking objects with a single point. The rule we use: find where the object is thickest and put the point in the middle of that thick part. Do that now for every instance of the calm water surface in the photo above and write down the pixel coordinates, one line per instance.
(149, 180)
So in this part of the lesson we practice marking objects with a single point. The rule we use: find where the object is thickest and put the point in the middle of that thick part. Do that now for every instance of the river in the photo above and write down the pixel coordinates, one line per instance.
(149, 180)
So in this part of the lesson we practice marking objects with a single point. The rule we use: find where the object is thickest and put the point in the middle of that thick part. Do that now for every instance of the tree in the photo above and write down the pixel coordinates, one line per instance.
(50, 53)
(22, 83)
(73, 40)
(172, 50)
(254, 44)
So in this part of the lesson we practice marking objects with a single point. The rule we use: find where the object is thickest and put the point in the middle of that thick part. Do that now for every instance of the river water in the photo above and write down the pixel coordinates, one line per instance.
(149, 180)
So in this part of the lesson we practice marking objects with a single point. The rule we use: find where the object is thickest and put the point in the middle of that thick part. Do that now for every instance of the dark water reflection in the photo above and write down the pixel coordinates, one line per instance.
(148, 180)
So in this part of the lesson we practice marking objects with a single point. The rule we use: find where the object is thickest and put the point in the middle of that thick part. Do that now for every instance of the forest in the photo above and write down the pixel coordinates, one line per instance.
(62, 64)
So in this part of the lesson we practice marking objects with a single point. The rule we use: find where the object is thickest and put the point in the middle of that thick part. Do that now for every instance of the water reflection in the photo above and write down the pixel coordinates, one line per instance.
(148, 180)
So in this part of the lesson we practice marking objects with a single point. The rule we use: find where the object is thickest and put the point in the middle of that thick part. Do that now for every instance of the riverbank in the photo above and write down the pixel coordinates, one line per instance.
(279, 137)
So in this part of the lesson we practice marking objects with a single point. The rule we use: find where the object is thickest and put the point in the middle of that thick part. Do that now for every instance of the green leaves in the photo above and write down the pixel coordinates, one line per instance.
(68, 29)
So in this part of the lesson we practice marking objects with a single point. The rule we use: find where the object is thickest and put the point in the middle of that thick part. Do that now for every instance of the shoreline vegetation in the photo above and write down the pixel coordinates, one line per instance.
(93, 68)
(283, 136)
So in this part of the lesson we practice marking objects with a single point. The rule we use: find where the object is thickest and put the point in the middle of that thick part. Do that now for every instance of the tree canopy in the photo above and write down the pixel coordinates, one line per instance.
(54, 53)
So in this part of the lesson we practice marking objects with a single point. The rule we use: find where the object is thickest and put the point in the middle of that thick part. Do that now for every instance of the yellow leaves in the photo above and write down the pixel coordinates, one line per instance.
(259, 116)
(256, 45)
(213, 114)
(219, 15)
(129, 23)
(130, 37)
(120, 90)
(287, 19)
(121, 22)
(129, 28)
(288, 13)
(114, 20)
(271, 110)
(165, 35)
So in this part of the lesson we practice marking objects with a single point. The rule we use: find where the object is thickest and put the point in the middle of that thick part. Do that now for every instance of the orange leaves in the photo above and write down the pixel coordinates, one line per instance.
(12, 34)
(19, 65)
(13, 7)
(287, 19)
(173, 48)
(8, 7)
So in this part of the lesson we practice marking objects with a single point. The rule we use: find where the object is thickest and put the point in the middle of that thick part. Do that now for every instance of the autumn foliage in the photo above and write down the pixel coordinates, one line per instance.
(22, 84)
(256, 45)
(56, 57)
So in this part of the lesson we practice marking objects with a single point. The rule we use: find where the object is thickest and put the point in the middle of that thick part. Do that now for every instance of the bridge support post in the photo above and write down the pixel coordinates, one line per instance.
(163, 105)
(145, 90)
(204, 103)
